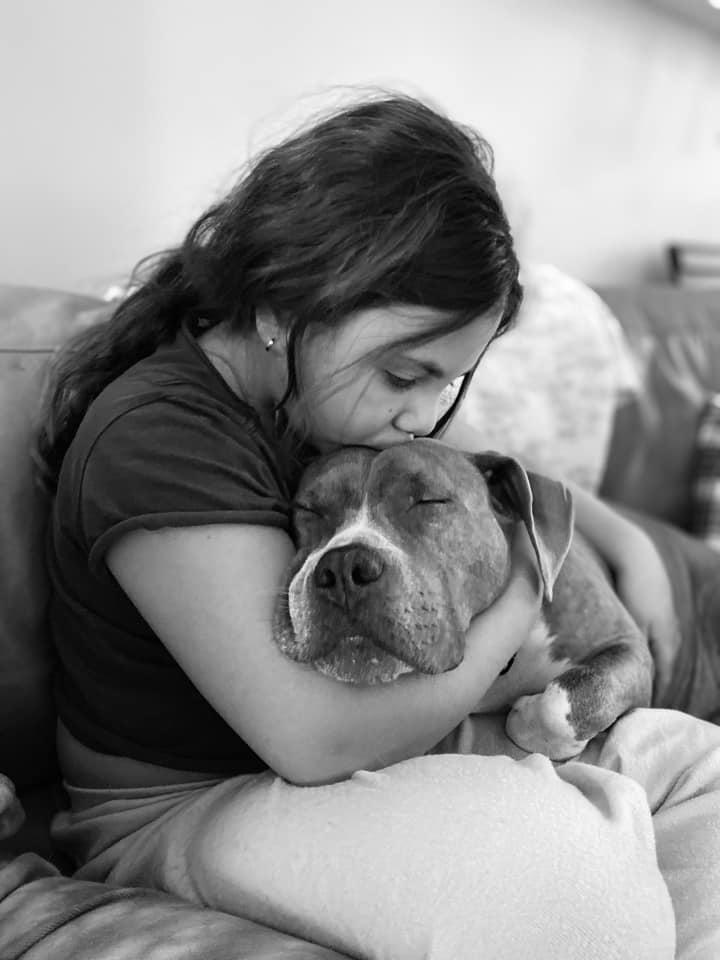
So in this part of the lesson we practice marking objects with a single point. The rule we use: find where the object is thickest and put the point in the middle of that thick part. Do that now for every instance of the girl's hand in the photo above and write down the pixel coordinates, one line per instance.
(524, 565)
(523, 591)
(644, 587)
(498, 632)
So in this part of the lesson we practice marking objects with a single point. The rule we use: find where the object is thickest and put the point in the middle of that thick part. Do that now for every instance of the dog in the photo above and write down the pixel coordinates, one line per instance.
(397, 550)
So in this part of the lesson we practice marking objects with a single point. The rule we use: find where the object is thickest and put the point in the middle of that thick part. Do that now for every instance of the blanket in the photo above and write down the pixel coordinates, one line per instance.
(46, 916)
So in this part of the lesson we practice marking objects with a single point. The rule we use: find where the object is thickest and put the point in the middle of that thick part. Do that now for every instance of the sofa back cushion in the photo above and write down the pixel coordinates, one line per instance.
(547, 390)
(674, 334)
(32, 323)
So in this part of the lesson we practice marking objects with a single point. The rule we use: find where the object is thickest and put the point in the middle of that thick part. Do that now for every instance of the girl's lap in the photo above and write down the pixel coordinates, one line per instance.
(432, 856)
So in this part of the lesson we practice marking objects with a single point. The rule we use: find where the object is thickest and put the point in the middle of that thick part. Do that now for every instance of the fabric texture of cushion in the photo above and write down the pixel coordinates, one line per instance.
(32, 324)
(547, 390)
(51, 917)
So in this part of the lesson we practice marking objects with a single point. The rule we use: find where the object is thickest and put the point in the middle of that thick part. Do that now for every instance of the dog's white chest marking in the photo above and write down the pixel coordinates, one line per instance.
(532, 670)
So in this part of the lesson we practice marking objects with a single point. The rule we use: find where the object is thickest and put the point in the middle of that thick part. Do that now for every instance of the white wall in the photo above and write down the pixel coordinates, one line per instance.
(122, 119)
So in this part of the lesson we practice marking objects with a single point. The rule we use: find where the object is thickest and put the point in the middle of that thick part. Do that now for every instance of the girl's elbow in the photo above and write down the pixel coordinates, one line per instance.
(307, 762)
(314, 764)
(311, 771)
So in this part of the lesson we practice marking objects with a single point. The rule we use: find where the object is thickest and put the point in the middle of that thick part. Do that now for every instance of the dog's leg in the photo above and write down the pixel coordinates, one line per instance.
(583, 701)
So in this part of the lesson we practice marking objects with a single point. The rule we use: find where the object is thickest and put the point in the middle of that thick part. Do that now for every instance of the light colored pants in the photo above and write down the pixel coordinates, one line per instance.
(470, 854)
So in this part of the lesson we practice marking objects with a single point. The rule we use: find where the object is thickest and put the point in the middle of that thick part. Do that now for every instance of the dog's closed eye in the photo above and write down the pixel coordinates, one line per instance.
(427, 502)
(306, 508)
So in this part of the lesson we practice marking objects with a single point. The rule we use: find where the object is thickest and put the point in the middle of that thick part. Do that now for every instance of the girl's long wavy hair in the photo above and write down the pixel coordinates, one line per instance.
(385, 201)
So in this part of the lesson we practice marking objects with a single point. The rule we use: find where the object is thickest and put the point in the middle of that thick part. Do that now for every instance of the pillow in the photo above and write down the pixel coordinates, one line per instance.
(547, 390)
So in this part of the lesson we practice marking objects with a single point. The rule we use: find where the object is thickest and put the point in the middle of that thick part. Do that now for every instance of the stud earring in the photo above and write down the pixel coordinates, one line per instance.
(268, 345)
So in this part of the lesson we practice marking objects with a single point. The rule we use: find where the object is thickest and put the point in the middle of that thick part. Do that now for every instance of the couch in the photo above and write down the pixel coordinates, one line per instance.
(674, 337)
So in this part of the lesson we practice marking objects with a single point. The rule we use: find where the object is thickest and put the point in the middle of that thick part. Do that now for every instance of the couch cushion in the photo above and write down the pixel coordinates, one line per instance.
(50, 917)
(547, 390)
(675, 336)
(32, 323)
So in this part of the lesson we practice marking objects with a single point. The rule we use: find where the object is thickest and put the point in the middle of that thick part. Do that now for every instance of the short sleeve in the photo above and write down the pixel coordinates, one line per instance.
(175, 462)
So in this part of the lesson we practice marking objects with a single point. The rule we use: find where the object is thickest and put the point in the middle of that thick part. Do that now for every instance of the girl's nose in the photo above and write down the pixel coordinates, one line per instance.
(418, 417)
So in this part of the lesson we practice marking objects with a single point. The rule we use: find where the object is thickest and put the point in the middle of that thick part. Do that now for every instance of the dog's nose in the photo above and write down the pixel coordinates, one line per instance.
(343, 573)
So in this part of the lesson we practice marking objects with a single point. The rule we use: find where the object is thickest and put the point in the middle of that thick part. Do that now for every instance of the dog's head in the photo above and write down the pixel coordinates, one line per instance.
(399, 549)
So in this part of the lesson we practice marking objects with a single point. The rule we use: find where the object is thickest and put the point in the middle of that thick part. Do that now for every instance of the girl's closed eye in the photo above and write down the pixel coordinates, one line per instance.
(400, 383)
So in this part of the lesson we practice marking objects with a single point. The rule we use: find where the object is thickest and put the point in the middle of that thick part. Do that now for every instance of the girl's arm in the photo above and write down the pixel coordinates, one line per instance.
(209, 594)
(640, 577)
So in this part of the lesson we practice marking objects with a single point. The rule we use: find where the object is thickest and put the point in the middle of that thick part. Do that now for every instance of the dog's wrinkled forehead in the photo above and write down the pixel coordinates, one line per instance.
(336, 480)
(360, 476)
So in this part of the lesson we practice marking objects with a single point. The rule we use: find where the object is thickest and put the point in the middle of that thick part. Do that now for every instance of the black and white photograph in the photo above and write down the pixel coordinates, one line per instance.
(360, 480)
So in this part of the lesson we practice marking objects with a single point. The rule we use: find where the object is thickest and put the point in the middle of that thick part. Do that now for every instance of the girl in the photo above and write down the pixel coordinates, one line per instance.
(355, 271)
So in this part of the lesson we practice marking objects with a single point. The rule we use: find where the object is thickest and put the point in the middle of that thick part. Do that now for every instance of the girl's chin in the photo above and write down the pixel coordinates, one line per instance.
(329, 444)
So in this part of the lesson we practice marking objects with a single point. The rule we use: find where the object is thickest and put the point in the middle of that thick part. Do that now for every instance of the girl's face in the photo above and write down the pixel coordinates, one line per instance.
(362, 385)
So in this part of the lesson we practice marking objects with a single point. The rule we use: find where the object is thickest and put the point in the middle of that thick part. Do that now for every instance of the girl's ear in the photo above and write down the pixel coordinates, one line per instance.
(544, 505)
(269, 330)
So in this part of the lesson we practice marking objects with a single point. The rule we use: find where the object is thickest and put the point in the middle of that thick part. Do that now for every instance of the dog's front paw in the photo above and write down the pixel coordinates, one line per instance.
(541, 724)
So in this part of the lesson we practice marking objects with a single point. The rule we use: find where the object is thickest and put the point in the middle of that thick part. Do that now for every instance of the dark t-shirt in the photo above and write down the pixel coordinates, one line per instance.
(166, 444)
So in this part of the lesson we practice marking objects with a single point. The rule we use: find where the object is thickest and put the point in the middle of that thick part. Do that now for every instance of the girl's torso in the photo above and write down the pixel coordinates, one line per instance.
(122, 467)
(84, 767)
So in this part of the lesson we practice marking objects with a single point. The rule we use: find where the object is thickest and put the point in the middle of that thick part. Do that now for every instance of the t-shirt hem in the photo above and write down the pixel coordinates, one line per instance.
(116, 746)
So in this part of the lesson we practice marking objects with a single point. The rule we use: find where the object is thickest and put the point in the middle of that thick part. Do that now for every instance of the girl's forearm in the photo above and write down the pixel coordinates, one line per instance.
(610, 533)
(369, 727)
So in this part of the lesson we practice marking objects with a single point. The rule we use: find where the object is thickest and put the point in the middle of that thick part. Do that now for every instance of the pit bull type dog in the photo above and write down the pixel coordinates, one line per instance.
(397, 550)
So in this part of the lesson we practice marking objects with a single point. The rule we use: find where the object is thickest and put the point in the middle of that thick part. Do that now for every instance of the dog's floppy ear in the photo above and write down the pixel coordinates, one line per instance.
(544, 505)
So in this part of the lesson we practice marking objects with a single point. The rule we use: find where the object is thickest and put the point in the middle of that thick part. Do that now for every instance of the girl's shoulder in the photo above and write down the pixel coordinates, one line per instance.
(172, 399)
(165, 444)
